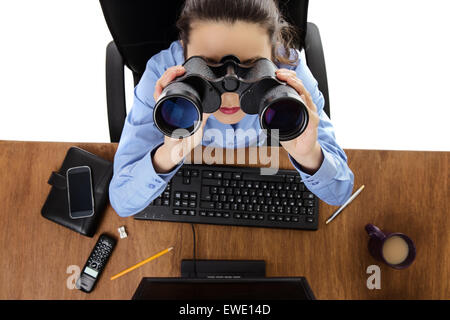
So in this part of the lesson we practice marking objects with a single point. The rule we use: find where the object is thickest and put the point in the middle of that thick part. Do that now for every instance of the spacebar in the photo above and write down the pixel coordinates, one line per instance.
(260, 177)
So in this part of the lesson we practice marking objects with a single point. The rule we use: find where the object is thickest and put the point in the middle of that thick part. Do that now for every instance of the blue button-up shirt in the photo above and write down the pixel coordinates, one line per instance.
(135, 183)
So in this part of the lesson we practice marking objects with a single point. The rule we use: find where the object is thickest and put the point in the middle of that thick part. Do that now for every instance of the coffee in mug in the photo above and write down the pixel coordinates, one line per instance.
(395, 249)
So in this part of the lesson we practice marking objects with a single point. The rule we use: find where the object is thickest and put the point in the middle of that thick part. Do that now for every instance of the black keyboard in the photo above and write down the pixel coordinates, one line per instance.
(238, 196)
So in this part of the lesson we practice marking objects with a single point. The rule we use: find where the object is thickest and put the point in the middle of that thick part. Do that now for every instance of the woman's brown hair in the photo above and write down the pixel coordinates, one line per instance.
(263, 12)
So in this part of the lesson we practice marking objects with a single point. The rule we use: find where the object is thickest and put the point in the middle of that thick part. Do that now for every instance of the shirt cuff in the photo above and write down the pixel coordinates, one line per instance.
(322, 177)
(168, 175)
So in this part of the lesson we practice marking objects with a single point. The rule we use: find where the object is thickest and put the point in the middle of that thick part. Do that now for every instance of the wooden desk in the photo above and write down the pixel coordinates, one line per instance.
(405, 191)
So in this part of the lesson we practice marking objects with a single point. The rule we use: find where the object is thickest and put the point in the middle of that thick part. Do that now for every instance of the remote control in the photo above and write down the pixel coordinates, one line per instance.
(95, 263)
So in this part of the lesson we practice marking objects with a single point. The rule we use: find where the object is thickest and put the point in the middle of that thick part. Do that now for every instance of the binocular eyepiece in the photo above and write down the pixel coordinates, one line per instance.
(178, 111)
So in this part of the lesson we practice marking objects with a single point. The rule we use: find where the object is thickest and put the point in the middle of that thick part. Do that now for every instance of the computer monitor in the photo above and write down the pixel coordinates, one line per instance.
(296, 288)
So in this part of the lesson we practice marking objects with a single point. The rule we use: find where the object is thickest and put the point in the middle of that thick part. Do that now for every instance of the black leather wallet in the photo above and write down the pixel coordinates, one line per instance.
(56, 207)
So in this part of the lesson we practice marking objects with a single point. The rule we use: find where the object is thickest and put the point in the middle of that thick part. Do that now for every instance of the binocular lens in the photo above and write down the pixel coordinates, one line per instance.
(177, 112)
(286, 115)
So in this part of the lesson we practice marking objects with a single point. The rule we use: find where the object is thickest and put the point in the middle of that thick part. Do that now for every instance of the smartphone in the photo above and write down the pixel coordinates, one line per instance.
(79, 190)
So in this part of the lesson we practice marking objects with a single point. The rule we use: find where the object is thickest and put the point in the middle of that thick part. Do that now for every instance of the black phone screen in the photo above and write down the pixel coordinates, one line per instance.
(80, 193)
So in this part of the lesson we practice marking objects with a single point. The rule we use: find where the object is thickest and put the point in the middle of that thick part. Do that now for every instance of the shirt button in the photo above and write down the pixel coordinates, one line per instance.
(151, 186)
(315, 183)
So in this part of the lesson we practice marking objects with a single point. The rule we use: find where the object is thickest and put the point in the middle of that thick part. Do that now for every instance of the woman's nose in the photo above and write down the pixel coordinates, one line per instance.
(230, 99)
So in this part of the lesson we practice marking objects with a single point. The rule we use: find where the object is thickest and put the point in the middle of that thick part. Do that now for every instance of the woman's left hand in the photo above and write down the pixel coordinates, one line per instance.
(305, 149)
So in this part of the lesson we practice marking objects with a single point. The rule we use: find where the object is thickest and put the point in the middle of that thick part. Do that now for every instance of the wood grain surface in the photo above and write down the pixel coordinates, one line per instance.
(405, 192)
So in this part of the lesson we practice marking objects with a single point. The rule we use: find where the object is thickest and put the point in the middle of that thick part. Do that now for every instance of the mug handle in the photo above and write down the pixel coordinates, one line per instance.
(375, 232)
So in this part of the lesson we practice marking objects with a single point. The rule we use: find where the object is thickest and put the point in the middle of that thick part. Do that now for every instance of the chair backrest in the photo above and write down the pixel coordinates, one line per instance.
(142, 28)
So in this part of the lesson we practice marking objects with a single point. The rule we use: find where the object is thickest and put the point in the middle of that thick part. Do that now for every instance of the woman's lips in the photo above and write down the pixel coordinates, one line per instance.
(229, 110)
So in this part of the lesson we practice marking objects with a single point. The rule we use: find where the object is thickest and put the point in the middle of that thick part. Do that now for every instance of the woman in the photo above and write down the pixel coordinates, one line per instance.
(146, 160)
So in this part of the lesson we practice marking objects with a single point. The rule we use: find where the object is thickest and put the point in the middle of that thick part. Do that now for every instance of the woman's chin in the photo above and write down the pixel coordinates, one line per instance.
(229, 118)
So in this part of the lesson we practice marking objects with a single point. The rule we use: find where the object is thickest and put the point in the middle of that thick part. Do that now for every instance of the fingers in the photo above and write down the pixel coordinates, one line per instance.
(290, 76)
(169, 75)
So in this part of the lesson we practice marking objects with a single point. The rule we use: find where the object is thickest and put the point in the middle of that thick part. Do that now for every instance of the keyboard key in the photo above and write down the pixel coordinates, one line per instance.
(187, 180)
(272, 217)
(308, 203)
(206, 205)
(185, 196)
(236, 176)
(260, 217)
(308, 195)
(217, 175)
(212, 182)
(237, 215)
(176, 211)
(310, 219)
(227, 175)
(310, 211)
(177, 195)
(225, 215)
(203, 213)
(194, 173)
(207, 174)
(191, 212)
(259, 177)
(192, 196)
(290, 178)
(295, 219)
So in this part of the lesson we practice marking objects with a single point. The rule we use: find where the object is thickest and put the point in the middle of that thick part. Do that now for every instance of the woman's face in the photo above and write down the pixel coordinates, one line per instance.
(213, 40)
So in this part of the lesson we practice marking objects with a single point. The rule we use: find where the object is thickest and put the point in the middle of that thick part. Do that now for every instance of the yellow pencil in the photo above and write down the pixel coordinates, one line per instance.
(141, 263)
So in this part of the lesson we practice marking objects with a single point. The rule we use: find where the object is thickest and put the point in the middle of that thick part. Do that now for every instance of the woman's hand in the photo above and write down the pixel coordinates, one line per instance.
(305, 149)
(172, 151)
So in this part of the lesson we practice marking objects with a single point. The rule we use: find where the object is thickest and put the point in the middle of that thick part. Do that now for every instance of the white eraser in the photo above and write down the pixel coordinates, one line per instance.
(122, 232)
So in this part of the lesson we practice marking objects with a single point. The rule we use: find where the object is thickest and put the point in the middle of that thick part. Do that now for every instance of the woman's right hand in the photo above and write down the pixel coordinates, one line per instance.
(172, 151)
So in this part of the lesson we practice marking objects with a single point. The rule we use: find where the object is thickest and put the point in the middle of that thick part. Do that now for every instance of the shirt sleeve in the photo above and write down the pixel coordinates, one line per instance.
(333, 181)
(135, 183)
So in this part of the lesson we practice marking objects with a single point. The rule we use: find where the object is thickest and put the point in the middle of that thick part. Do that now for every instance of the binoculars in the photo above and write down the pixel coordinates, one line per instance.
(178, 111)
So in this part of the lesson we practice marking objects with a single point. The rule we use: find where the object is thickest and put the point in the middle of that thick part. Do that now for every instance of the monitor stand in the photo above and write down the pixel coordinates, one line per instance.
(223, 269)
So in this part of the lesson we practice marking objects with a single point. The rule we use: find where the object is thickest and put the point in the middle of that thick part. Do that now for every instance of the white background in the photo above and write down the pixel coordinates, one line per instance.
(387, 62)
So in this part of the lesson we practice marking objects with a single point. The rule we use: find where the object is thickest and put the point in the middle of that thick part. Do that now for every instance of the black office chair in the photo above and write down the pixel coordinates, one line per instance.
(142, 28)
